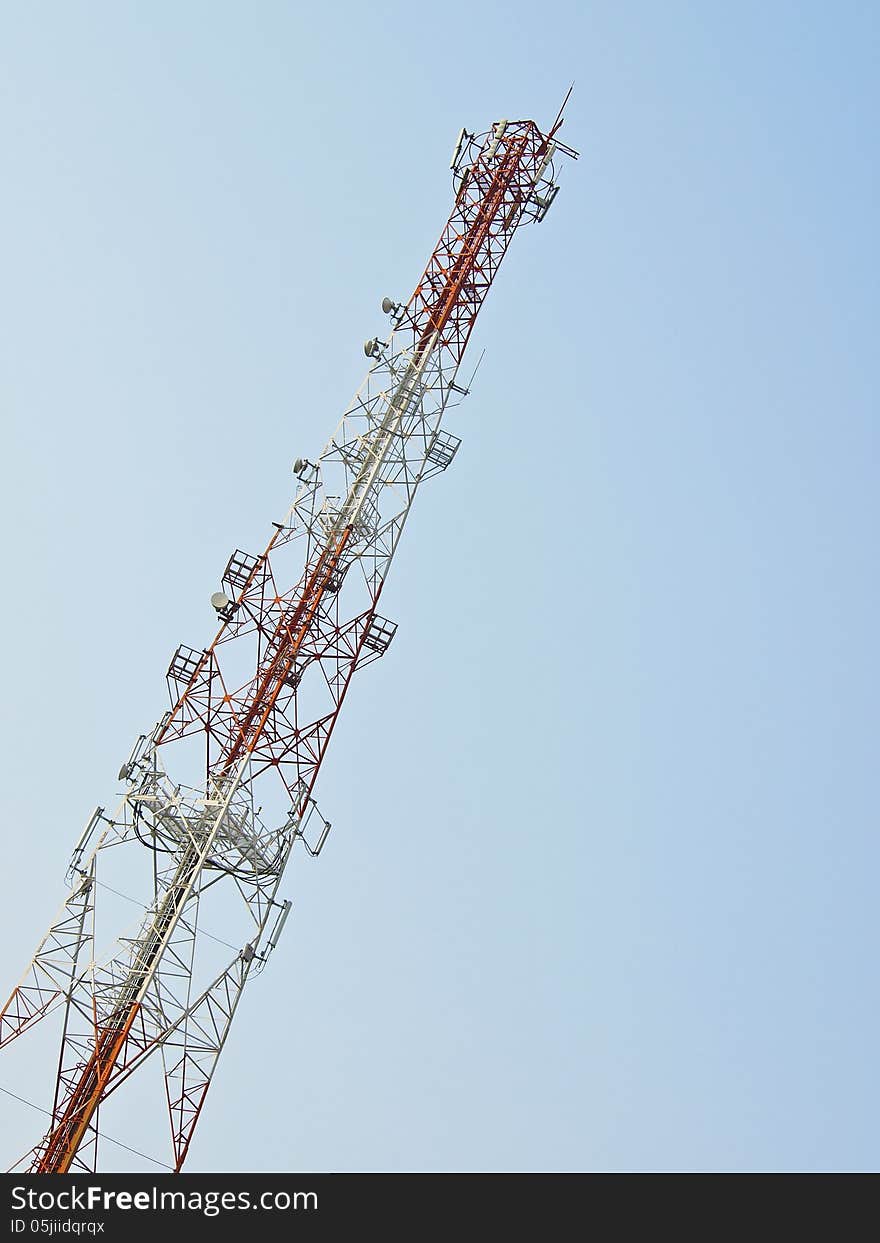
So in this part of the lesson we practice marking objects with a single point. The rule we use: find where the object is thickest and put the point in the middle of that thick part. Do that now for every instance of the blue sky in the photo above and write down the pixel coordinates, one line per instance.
(600, 892)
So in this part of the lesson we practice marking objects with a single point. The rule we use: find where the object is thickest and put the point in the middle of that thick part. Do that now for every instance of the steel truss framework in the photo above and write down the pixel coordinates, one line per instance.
(265, 696)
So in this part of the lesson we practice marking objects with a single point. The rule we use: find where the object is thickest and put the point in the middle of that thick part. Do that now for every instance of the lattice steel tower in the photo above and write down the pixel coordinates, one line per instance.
(252, 713)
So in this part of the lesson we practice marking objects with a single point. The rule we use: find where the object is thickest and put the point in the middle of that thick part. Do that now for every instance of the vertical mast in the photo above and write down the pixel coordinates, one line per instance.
(265, 696)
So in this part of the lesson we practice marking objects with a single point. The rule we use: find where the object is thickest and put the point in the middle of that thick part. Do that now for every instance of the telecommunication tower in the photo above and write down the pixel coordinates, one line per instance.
(252, 713)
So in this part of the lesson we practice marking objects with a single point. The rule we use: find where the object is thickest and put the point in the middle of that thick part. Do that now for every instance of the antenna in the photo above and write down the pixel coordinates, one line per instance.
(205, 830)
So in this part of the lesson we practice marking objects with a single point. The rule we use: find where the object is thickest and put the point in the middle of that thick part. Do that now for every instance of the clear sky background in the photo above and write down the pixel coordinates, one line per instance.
(601, 890)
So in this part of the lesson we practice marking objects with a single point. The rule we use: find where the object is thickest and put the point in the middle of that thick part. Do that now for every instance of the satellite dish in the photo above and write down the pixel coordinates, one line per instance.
(388, 306)
(298, 465)
(220, 601)
(371, 347)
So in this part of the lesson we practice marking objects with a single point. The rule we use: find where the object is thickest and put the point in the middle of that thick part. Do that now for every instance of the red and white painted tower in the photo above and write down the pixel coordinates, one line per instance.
(219, 793)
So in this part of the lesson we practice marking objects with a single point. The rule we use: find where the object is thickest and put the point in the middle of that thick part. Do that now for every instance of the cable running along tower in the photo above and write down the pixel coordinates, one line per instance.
(252, 713)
